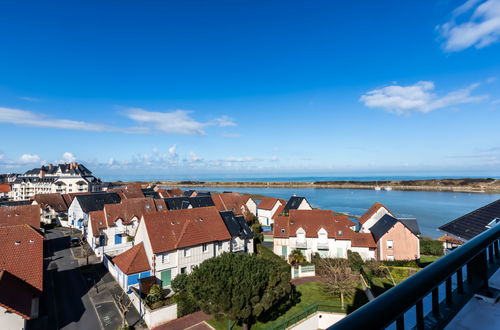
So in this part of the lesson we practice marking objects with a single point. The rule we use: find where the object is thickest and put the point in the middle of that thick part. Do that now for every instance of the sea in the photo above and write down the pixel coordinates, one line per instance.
(431, 209)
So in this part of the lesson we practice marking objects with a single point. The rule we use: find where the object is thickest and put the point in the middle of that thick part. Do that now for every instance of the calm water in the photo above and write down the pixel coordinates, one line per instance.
(431, 209)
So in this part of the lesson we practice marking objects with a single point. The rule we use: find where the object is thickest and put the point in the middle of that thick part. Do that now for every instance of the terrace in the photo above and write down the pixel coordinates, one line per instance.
(460, 290)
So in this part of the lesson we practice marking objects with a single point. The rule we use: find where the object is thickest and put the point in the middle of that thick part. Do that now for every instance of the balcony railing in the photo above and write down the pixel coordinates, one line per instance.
(323, 246)
(481, 258)
(301, 245)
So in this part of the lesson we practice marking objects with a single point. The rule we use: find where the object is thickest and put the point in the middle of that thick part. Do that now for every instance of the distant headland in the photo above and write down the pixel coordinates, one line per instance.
(485, 185)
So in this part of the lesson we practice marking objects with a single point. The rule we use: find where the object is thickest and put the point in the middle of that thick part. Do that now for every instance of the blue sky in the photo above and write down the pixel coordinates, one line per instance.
(192, 88)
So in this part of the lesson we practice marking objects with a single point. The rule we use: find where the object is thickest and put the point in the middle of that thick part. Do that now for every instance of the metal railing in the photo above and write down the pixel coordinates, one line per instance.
(481, 258)
(301, 245)
(323, 246)
(304, 313)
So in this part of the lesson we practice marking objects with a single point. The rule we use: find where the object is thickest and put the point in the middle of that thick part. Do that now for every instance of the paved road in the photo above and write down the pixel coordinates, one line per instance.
(74, 309)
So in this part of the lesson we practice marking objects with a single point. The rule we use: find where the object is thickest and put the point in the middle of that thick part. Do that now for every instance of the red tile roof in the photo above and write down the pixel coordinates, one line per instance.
(166, 193)
(371, 211)
(174, 229)
(4, 188)
(97, 221)
(231, 202)
(363, 240)
(55, 201)
(312, 221)
(22, 214)
(129, 209)
(22, 253)
(450, 239)
(16, 295)
(132, 192)
(267, 203)
(133, 261)
(68, 198)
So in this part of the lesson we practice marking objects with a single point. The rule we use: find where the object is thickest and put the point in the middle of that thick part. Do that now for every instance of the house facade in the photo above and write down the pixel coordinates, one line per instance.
(268, 209)
(319, 231)
(82, 205)
(176, 241)
(371, 216)
(113, 227)
(62, 178)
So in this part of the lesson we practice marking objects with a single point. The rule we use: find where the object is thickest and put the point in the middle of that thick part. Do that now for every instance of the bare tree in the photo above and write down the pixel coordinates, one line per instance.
(340, 280)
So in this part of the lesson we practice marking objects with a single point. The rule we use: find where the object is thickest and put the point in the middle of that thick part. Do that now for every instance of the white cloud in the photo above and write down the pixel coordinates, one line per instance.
(30, 99)
(175, 122)
(28, 118)
(491, 80)
(480, 28)
(69, 157)
(417, 97)
(495, 101)
(172, 149)
(194, 157)
(29, 159)
(224, 121)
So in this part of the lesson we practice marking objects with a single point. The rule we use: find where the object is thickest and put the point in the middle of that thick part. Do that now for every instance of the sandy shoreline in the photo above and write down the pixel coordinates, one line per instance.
(444, 185)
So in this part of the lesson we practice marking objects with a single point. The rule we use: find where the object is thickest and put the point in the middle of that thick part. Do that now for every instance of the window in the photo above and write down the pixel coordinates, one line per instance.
(183, 270)
(187, 252)
(205, 247)
(165, 258)
(390, 244)
(340, 232)
(390, 257)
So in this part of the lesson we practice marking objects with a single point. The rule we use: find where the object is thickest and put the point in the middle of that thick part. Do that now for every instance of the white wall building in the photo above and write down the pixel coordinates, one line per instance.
(62, 178)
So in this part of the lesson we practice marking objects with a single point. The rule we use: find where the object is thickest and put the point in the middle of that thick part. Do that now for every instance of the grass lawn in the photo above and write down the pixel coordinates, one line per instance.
(312, 294)
(426, 259)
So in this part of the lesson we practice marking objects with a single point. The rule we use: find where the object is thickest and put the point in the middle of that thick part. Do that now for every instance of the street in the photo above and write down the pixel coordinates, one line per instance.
(70, 306)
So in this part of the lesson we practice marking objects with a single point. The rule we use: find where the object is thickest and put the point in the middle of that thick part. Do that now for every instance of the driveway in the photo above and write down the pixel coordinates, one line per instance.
(70, 306)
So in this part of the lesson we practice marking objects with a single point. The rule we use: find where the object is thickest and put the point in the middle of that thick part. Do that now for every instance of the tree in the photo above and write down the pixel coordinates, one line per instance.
(185, 303)
(242, 287)
(296, 257)
(355, 261)
(340, 279)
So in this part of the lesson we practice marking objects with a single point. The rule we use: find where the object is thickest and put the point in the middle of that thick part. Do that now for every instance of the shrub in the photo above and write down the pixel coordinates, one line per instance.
(400, 263)
(155, 295)
(355, 261)
(431, 247)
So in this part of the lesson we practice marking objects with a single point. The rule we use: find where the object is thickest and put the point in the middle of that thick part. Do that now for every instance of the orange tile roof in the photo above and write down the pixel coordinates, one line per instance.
(98, 222)
(4, 188)
(174, 229)
(68, 198)
(128, 209)
(133, 261)
(16, 295)
(267, 203)
(450, 239)
(21, 214)
(132, 192)
(166, 193)
(22, 253)
(371, 211)
(231, 202)
(312, 221)
(363, 240)
(55, 201)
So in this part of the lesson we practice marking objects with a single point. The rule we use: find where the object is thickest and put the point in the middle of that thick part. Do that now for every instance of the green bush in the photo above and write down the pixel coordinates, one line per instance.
(355, 261)
(400, 263)
(431, 247)
(185, 304)
(155, 295)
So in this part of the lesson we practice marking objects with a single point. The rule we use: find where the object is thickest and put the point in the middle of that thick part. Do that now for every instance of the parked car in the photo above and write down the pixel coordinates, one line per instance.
(74, 241)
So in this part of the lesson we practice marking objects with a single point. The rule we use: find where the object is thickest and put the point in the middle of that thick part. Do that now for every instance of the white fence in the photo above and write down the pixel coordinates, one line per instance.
(153, 318)
(319, 320)
(303, 271)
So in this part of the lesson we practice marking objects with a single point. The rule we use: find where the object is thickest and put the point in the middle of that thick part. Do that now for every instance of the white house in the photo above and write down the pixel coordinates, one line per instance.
(371, 216)
(82, 205)
(175, 241)
(319, 231)
(62, 178)
(268, 208)
(113, 228)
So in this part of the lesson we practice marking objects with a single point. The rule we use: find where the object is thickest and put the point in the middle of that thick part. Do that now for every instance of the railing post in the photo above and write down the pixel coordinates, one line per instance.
(477, 271)
(491, 256)
(435, 302)
(400, 322)
(420, 315)
(460, 281)
(449, 292)
(497, 253)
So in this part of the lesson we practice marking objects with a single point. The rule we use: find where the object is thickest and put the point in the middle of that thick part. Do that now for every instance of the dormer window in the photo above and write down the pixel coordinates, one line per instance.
(282, 230)
(340, 232)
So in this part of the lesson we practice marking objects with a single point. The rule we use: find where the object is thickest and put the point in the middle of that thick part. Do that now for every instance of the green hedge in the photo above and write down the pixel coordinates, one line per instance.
(431, 247)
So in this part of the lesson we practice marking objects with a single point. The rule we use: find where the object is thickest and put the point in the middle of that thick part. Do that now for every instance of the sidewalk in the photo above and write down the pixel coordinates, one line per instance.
(191, 321)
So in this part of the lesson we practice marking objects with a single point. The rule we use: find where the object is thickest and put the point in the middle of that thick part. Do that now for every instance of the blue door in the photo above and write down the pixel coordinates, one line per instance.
(118, 239)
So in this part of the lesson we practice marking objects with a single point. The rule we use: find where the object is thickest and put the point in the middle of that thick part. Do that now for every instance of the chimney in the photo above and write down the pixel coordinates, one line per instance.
(70, 166)
(50, 166)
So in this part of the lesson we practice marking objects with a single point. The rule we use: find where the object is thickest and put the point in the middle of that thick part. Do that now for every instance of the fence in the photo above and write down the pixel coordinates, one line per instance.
(304, 313)
(303, 271)
(156, 317)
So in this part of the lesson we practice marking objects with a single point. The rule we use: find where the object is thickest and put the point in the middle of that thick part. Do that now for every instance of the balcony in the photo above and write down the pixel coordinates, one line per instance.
(460, 290)
(323, 246)
(301, 245)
